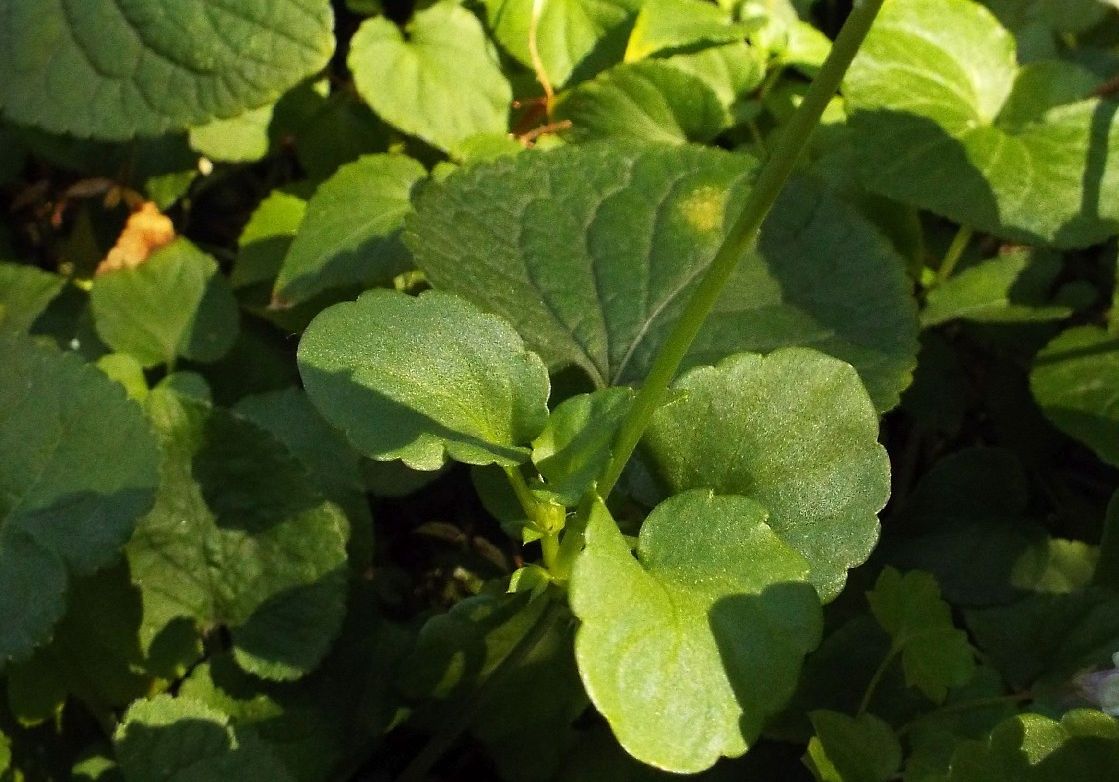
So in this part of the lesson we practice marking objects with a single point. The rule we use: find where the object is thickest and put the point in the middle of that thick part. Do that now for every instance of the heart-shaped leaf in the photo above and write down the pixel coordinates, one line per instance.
(688, 648)
(946, 120)
(176, 303)
(350, 234)
(437, 79)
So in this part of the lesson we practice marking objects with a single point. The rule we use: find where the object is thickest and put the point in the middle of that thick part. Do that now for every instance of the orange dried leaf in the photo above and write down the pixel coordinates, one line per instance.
(146, 231)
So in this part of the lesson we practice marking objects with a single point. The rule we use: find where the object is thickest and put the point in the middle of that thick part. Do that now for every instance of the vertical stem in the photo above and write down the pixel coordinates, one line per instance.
(875, 680)
(741, 237)
(955, 252)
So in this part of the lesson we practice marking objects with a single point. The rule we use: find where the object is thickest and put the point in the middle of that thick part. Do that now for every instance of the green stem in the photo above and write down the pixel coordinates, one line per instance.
(549, 543)
(741, 237)
(419, 768)
(876, 679)
(955, 252)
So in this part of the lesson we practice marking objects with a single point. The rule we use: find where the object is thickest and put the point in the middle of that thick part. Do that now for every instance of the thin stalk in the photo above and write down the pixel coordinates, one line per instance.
(741, 237)
(549, 542)
(876, 679)
(419, 768)
(955, 252)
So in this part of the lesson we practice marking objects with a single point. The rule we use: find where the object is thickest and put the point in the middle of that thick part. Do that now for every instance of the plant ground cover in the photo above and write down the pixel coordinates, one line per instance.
(565, 390)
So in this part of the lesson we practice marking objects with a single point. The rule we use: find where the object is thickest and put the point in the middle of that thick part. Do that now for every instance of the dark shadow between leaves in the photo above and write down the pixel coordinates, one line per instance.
(762, 641)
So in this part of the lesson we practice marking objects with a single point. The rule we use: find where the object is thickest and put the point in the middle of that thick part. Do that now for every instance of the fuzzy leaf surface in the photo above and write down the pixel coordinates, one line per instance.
(239, 537)
(794, 431)
(350, 234)
(176, 303)
(437, 79)
(688, 648)
(114, 69)
(592, 251)
(417, 378)
(945, 119)
(77, 468)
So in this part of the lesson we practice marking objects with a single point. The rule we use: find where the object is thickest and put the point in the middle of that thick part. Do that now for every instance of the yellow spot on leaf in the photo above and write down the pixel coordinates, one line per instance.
(703, 208)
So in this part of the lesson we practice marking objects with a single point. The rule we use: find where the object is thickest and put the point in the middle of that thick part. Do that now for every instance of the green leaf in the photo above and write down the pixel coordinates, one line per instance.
(437, 79)
(946, 120)
(934, 654)
(1082, 747)
(1043, 641)
(239, 537)
(1107, 568)
(574, 447)
(595, 249)
(1073, 380)
(675, 24)
(687, 649)
(25, 291)
(176, 303)
(5, 752)
(350, 235)
(732, 71)
(239, 139)
(967, 522)
(315, 724)
(77, 467)
(642, 101)
(1013, 287)
(94, 652)
(794, 431)
(574, 38)
(181, 738)
(266, 238)
(113, 70)
(852, 749)
(422, 378)
(288, 415)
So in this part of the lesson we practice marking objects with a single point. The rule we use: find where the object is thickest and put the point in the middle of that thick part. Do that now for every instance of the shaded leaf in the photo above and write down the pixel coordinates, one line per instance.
(852, 749)
(934, 654)
(794, 431)
(181, 738)
(77, 467)
(111, 70)
(350, 234)
(25, 291)
(416, 378)
(642, 101)
(574, 38)
(238, 537)
(946, 120)
(1075, 380)
(1082, 747)
(688, 648)
(575, 445)
(592, 251)
(175, 304)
